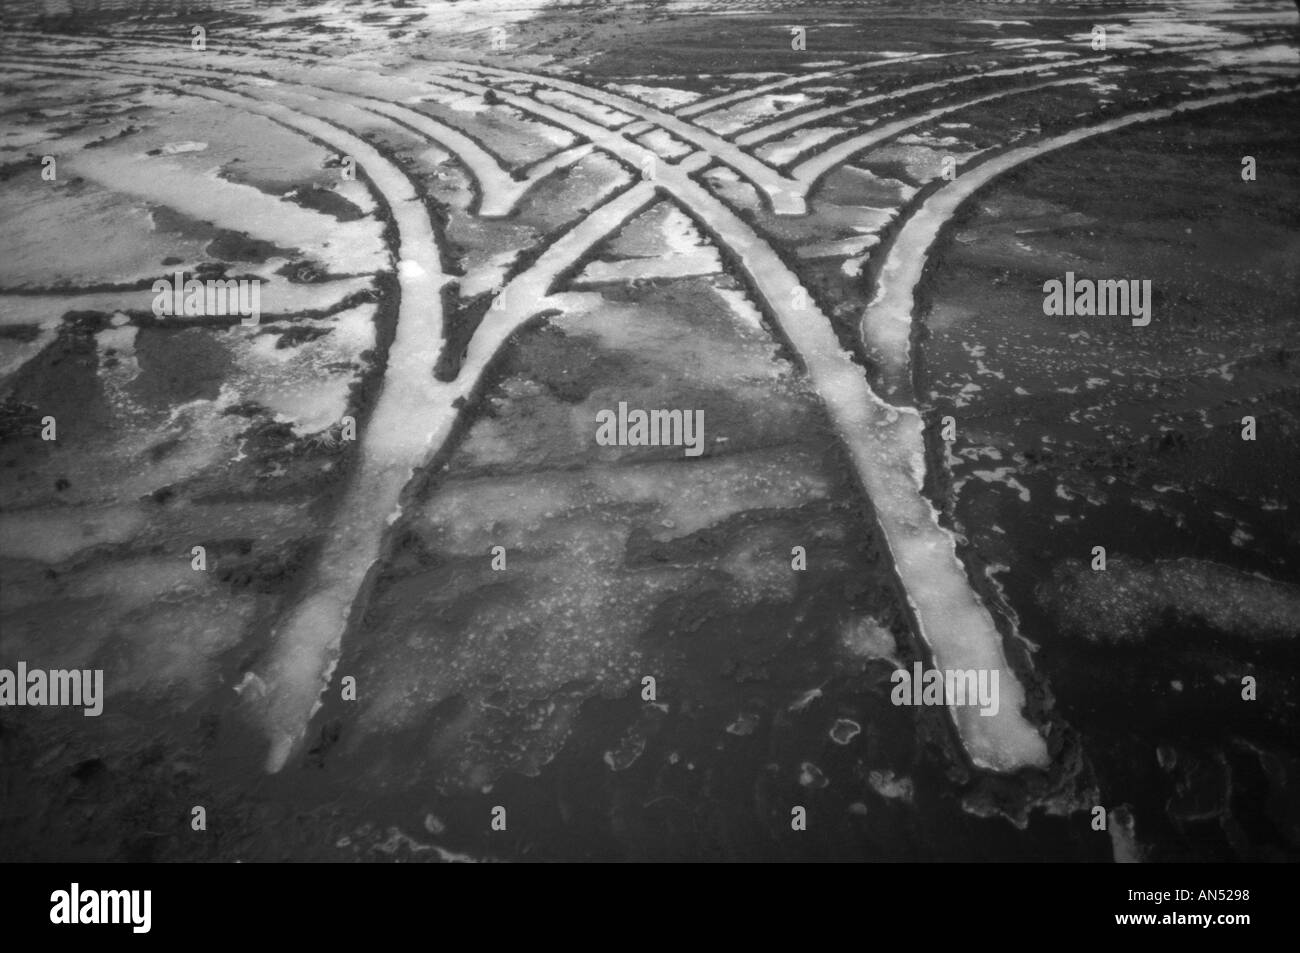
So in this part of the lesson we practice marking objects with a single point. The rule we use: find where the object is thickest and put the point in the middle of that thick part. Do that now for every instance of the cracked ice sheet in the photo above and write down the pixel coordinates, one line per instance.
(565, 628)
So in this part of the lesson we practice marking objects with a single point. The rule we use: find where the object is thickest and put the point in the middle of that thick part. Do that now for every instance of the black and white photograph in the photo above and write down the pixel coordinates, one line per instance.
(643, 431)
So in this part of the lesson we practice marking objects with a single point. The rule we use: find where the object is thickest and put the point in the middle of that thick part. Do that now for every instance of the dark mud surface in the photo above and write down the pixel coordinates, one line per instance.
(1075, 432)
(672, 656)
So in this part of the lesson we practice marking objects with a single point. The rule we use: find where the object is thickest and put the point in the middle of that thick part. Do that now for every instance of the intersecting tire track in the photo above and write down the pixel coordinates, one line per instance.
(781, 192)
(498, 192)
(307, 643)
(873, 431)
(884, 441)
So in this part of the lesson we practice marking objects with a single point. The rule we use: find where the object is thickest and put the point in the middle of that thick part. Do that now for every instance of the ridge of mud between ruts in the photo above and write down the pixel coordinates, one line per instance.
(885, 441)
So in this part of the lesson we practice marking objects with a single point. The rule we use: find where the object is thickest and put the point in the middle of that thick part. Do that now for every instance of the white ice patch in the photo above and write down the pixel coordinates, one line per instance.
(176, 148)
(664, 144)
(704, 261)
(488, 276)
(581, 106)
(1003, 475)
(54, 536)
(750, 111)
(663, 242)
(863, 637)
(840, 248)
(114, 238)
(1278, 54)
(1142, 33)
(307, 385)
(786, 150)
(662, 97)
(343, 247)
(742, 306)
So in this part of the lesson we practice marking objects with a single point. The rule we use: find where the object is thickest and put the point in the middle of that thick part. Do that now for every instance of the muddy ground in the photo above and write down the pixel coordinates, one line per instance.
(479, 687)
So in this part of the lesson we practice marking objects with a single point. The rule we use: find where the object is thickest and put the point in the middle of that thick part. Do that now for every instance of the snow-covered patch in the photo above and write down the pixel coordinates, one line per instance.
(663, 97)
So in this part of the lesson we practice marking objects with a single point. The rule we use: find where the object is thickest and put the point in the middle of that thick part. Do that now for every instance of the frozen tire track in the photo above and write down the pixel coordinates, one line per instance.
(886, 325)
(885, 445)
(763, 133)
(404, 429)
(780, 191)
(811, 171)
(885, 442)
(411, 422)
(500, 192)
(702, 107)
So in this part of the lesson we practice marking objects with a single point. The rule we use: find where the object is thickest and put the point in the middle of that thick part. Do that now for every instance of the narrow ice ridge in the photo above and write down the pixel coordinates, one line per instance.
(411, 422)
(772, 183)
(808, 172)
(411, 419)
(781, 126)
(887, 448)
(888, 444)
(499, 191)
(716, 102)
(886, 325)
(279, 298)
